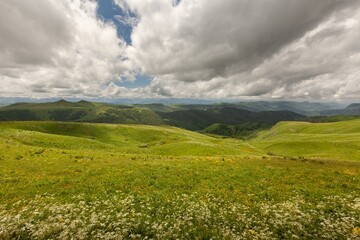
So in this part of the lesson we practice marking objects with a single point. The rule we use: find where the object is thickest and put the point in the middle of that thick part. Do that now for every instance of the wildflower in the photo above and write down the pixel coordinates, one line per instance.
(356, 231)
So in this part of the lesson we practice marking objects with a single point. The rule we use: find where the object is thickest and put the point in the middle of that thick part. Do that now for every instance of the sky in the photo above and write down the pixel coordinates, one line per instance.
(233, 49)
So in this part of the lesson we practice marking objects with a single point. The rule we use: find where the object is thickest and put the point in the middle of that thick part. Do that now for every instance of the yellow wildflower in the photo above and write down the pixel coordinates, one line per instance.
(356, 231)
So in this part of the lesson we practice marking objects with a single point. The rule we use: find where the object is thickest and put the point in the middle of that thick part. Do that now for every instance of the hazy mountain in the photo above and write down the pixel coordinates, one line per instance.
(304, 108)
(351, 110)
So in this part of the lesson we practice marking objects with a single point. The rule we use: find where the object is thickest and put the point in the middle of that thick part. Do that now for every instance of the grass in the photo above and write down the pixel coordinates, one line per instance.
(87, 181)
(339, 140)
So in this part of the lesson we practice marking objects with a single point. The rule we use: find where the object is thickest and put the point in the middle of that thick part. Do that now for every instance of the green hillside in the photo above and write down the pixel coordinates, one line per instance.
(81, 111)
(201, 119)
(242, 131)
(61, 180)
(220, 119)
(304, 108)
(334, 118)
(338, 140)
(129, 139)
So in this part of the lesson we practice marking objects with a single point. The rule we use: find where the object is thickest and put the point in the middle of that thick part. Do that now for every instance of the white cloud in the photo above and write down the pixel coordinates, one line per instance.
(192, 48)
(57, 48)
(232, 48)
(128, 18)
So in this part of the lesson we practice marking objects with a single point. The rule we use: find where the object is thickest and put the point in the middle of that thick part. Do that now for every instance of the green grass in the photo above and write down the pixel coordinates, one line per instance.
(86, 181)
(129, 139)
(338, 140)
(335, 118)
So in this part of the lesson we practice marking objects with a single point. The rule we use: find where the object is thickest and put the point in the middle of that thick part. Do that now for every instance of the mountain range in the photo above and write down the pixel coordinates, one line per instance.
(240, 119)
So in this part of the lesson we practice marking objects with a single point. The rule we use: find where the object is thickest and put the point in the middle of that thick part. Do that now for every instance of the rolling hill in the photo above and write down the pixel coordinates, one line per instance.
(129, 139)
(205, 118)
(201, 119)
(81, 111)
(91, 180)
(337, 140)
(303, 108)
(227, 119)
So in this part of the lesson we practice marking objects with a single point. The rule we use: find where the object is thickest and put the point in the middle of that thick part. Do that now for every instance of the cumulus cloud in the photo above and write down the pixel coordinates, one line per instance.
(231, 48)
(129, 18)
(191, 48)
(57, 48)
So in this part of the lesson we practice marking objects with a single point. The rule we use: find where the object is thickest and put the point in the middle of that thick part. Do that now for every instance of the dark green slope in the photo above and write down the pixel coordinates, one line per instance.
(130, 115)
(304, 108)
(82, 111)
(157, 107)
(218, 118)
(201, 119)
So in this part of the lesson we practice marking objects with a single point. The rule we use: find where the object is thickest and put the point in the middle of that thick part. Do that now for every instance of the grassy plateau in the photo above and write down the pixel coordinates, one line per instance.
(110, 181)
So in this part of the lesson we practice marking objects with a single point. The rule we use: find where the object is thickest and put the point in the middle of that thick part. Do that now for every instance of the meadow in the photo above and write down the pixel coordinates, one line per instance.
(110, 181)
(335, 140)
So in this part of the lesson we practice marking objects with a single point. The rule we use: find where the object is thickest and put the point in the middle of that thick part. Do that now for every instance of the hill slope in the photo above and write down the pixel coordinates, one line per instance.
(201, 119)
(128, 139)
(304, 108)
(338, 140)
(81, 111)
(191, 117)
(101, 181)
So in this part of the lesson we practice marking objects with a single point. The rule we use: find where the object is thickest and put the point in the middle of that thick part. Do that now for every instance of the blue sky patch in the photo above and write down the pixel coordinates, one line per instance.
(109, 11)
(140, 82)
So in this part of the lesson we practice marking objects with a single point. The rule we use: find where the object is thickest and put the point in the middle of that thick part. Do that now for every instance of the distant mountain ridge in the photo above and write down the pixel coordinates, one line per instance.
(351, 110)
(231, 119)
(304, 108)
(353, 106)
(81, 111)
(57, 104)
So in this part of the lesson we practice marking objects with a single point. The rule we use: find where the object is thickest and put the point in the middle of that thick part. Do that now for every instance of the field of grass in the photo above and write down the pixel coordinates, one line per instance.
(103, 181)
(338, 140)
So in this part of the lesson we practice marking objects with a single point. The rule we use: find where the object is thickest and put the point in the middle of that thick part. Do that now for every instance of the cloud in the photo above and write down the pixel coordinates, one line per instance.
(233, 48)
(57, 48)
(191, 48)
(129, 18)
(126, 20)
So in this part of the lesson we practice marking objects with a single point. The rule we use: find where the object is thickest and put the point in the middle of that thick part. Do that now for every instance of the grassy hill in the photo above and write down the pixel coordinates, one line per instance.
(303, 108)
(61, 180)
(129, 139)
(221, 119)
(333, 118)
(242, 131)
(337, 140)
(201, 119)
(81, 111)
